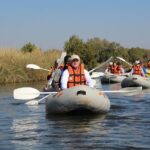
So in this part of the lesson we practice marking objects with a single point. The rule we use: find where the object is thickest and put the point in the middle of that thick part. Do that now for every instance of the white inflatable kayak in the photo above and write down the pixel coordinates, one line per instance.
(135, 81)
(112, 78)
(78, 98)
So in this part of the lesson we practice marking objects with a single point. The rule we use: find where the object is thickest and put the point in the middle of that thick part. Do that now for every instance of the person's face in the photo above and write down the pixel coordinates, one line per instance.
(115, 64)
(75, 63)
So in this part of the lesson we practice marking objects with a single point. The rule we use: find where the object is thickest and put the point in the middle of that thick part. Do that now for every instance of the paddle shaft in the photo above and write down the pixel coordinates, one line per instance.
(44, 69)
(60, 62)
(48, 92)
(124, 61)
(102, 64)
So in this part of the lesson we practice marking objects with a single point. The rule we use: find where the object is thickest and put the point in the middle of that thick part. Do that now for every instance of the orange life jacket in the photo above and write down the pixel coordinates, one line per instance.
(114, 69)
(76, 76)
(137, 70)
(119, 70)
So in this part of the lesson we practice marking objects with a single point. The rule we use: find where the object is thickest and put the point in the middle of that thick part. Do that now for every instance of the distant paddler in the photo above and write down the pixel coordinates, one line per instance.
(115, 68)
(137, 68)
(146, 69)
(56, 74)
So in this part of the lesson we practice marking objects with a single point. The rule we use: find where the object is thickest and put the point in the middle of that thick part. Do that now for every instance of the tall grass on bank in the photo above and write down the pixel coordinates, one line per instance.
(13, 65)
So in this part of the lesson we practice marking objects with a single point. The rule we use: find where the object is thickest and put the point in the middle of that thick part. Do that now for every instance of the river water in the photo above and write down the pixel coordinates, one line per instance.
(125, 126)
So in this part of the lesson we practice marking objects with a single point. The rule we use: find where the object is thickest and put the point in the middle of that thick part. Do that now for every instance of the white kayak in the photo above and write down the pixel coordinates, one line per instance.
(135, 81)
(79, 98)
(112, 78)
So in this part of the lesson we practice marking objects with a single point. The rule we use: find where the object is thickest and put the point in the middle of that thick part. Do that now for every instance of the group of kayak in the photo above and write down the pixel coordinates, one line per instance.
(77, 91)
(71, 88)
(137, 76)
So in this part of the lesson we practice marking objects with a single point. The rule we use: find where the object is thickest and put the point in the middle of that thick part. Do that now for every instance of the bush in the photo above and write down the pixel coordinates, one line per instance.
(28, 48)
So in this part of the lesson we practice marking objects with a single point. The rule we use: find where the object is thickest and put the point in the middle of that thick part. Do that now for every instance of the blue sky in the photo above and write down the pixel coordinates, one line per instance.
(49, 23)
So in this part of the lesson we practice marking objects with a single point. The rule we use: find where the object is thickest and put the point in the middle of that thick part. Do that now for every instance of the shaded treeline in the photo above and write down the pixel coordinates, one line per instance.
(93, 51)
(98, 50)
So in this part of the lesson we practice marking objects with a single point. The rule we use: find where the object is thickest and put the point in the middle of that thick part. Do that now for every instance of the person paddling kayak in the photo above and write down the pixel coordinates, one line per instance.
(75, 74)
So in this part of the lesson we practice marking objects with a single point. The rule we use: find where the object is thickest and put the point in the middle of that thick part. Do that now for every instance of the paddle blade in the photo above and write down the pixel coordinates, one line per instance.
(26, 93)
(124, 61)
(33, 102)
(63, 54)
(33, 66)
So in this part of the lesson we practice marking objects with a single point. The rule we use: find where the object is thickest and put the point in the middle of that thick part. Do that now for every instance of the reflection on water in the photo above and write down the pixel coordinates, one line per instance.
(82, 123)
(77, 131)
(126, 126)
(24, 130)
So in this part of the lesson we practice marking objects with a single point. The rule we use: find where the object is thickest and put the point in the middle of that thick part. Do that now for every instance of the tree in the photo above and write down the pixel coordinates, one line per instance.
(96, 45)
(28, 48)
(74, 46)
(136, 53)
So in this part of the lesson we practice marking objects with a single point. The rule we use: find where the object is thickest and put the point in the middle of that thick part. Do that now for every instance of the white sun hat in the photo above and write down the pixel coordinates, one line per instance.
(75, 57)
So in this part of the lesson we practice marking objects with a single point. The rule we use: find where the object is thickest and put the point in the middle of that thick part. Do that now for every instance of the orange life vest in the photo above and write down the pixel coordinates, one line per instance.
(119, 70)
(76, 76)
(114, 69)
(137, 70)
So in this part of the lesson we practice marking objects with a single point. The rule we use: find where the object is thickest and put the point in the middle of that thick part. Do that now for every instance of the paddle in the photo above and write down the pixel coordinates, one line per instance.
(29, 93)
(63, 54)
(36, 67)
(124, 60)
(102, 64)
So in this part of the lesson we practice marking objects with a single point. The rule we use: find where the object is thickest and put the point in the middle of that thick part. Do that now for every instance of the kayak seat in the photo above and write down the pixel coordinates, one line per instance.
(81, 92)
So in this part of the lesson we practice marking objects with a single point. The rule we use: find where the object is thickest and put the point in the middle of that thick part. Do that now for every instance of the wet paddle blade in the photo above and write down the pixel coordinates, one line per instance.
(26, 93)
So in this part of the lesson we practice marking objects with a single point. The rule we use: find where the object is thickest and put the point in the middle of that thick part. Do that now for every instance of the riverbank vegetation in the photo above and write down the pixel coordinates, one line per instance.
(13, 65)
(98, 50)
(93, 51)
